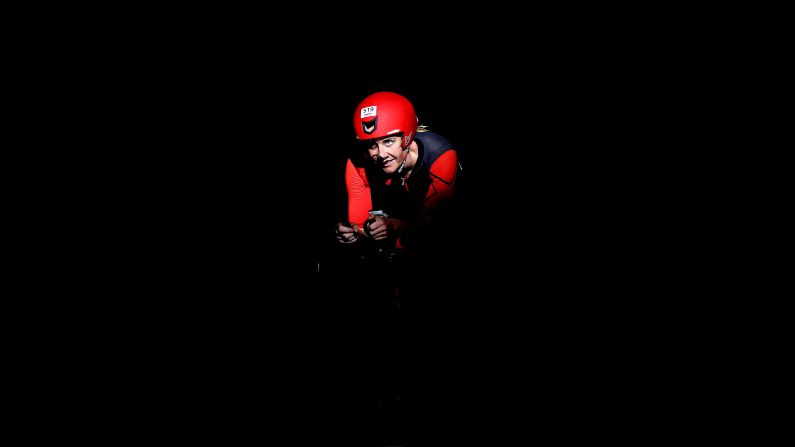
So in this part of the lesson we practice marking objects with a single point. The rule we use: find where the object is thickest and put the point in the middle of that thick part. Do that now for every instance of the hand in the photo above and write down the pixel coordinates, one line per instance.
(347, 235)
(378, 228)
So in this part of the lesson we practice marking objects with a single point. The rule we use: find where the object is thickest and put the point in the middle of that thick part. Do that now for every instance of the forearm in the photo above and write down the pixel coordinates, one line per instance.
(402, 227)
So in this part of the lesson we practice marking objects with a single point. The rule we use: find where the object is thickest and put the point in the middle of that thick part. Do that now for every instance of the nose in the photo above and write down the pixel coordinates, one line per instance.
(381, 151)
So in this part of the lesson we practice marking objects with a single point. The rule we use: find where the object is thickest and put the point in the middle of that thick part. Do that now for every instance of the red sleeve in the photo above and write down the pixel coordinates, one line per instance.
(359, 201)
(443, 172)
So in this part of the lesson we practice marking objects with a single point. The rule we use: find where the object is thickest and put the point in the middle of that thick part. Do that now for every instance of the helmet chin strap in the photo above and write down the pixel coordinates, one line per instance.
(405, 159)
(406, 150)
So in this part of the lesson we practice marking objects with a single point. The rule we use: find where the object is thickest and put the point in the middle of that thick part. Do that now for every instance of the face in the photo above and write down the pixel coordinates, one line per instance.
(387, 153)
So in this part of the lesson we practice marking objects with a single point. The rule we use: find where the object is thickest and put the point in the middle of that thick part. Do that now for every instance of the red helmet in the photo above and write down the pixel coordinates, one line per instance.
(385, 113)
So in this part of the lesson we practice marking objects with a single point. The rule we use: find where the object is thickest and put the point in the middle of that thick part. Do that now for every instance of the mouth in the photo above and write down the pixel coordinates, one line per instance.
(387, 163)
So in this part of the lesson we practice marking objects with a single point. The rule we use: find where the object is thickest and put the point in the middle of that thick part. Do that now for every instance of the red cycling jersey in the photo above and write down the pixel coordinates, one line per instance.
(442, 174)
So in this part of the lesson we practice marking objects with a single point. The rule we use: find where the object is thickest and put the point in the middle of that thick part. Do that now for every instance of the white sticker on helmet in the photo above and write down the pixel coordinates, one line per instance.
(368, 111)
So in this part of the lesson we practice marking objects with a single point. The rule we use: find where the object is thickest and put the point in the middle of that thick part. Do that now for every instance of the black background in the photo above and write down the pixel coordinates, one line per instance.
(219, 183)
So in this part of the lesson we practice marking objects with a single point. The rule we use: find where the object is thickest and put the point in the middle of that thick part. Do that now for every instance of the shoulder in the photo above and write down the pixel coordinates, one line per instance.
(352, 171)
(433, 146)
(432, 141)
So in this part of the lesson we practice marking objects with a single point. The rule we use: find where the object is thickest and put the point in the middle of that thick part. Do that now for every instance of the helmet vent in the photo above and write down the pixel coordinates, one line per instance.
(370, 126)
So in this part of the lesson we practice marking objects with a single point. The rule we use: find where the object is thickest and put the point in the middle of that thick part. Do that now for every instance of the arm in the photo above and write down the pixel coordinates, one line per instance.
(443, 175)
(359, 203)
